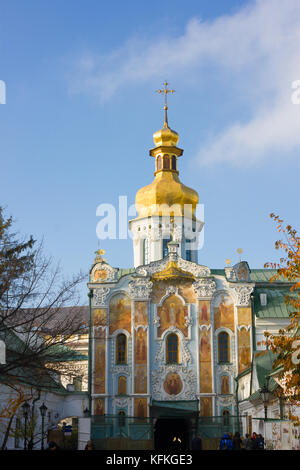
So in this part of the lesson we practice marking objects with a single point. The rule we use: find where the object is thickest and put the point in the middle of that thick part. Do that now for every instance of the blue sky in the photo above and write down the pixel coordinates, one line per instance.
(81, 109)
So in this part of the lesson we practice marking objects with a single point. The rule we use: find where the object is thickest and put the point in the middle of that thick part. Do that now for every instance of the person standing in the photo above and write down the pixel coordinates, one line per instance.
(197, 443)
(237, 442)
(247, 443)
(226, 443)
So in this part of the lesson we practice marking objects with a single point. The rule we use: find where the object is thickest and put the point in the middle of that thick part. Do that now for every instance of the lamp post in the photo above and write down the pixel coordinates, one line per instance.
(43, 410)
(25, 408)
(265, 394)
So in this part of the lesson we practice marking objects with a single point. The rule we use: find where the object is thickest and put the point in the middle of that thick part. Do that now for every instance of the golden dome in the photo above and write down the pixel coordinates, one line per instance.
(166, 189)
(166, 137)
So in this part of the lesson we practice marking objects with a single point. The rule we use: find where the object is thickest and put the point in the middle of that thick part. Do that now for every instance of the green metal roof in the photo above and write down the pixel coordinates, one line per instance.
(124, 271)
(276, 306)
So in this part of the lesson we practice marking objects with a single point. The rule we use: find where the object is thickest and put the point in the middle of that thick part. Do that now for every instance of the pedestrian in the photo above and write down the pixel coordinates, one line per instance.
(237, 442)
(89, 446)
(53, 446)
(197, 443)
(260, 442)
(226, 443)
(254, 440)
(247, 443)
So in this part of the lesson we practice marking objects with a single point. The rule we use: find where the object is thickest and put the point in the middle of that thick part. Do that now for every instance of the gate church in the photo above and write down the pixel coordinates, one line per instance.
(169, 336)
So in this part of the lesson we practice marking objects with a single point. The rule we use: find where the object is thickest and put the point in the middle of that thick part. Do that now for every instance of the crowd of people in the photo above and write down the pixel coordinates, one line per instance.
(254, 442)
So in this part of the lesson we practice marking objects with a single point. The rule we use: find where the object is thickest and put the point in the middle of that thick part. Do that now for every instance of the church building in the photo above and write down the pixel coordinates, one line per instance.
(169, 336)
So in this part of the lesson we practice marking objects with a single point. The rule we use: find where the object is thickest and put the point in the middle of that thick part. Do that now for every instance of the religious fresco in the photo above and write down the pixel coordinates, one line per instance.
(100, 275)
(173, 384)
(99, 405)
(122, 385)
(140, 346)
(172, 313)
(224, 312)
(140, 407)
(100, 363)
(204, 312)
(140, 313)
(244, 315)
(119, 313)
(188, 293)
(206, 406)
(158, 292)
(99, 317)
(140, 378)
(244, 349)
(205, 362)
(225, 385)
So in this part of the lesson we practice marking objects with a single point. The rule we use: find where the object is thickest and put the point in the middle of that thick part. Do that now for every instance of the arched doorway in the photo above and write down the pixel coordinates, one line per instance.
(171, 434)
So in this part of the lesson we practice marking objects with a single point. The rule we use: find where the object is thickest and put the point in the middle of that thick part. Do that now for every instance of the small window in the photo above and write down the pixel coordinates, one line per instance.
(159, 165)
(121, 356)
(174, 162)
(223, 347)
(146, 250)
(166, 161)
(165, 246)
(172, 349)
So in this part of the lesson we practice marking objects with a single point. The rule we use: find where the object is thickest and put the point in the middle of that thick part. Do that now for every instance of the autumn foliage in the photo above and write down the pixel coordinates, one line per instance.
(286, 345)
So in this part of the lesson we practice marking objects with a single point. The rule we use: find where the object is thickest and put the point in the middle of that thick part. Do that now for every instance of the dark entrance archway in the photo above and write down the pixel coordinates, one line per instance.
(171, 434)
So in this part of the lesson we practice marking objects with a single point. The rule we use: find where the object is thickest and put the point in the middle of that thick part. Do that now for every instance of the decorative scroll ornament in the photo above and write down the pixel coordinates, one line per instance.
(100, 295)
(121, 370)
(171, 290)
(243, 295)
(140, 289)
(204, 287)
(193, 268)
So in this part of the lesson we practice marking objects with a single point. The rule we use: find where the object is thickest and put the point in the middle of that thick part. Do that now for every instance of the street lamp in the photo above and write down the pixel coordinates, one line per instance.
(265, 395)
(25, 408)
(43, 410)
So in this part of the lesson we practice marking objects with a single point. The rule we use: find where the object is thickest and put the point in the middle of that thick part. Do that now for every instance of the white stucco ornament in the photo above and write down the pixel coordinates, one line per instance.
(100, 295)
(140, 289)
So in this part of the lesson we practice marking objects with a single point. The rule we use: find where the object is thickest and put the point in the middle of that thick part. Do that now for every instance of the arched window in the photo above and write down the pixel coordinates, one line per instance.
(165, 246)
(173, 162)
(122, 385)
(223, 347)
(172, 349)
(225, 385)
(166, 163)
(121, 349)
(226, 417)
(121, 416)
(159, 164)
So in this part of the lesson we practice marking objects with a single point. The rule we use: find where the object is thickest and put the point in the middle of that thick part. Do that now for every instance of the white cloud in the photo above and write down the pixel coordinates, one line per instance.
(259, 44)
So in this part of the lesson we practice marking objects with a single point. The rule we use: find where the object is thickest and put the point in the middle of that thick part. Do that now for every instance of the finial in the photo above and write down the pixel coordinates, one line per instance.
(99, 253)
(165, 91)
(228, 261)
(240, 251)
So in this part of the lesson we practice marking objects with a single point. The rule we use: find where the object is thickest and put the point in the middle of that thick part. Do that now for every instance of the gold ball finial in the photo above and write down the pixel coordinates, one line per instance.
(240, 251)
(228, 261)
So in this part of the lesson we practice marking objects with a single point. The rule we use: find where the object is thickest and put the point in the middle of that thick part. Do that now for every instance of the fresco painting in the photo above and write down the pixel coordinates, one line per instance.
(225, 385)
(244, 316)
(141, 313)
(141, 346)
(205, 362)
(122, 385)
(120, 313)
(188, 293)
(99, 317)
(100, 365)
(158, 292)
(173, 384)
(140, 378)
(206, 406)
(172, 313)
(100, 275)
(99, 406)
(224, 312)
(204, 312)
(244, 349)
(140, 407)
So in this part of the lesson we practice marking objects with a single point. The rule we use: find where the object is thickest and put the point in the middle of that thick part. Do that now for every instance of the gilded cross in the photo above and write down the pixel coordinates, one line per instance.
(166, 91)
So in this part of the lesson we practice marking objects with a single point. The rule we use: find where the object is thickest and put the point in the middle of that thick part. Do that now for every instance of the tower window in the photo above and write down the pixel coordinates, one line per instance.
(226, 417)
(165, 246)
(172, 349)
(174, 162)
(121, 350)
(166, 163)
(121, 416)
(146, 251)
(159, 165)
(223, 347)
